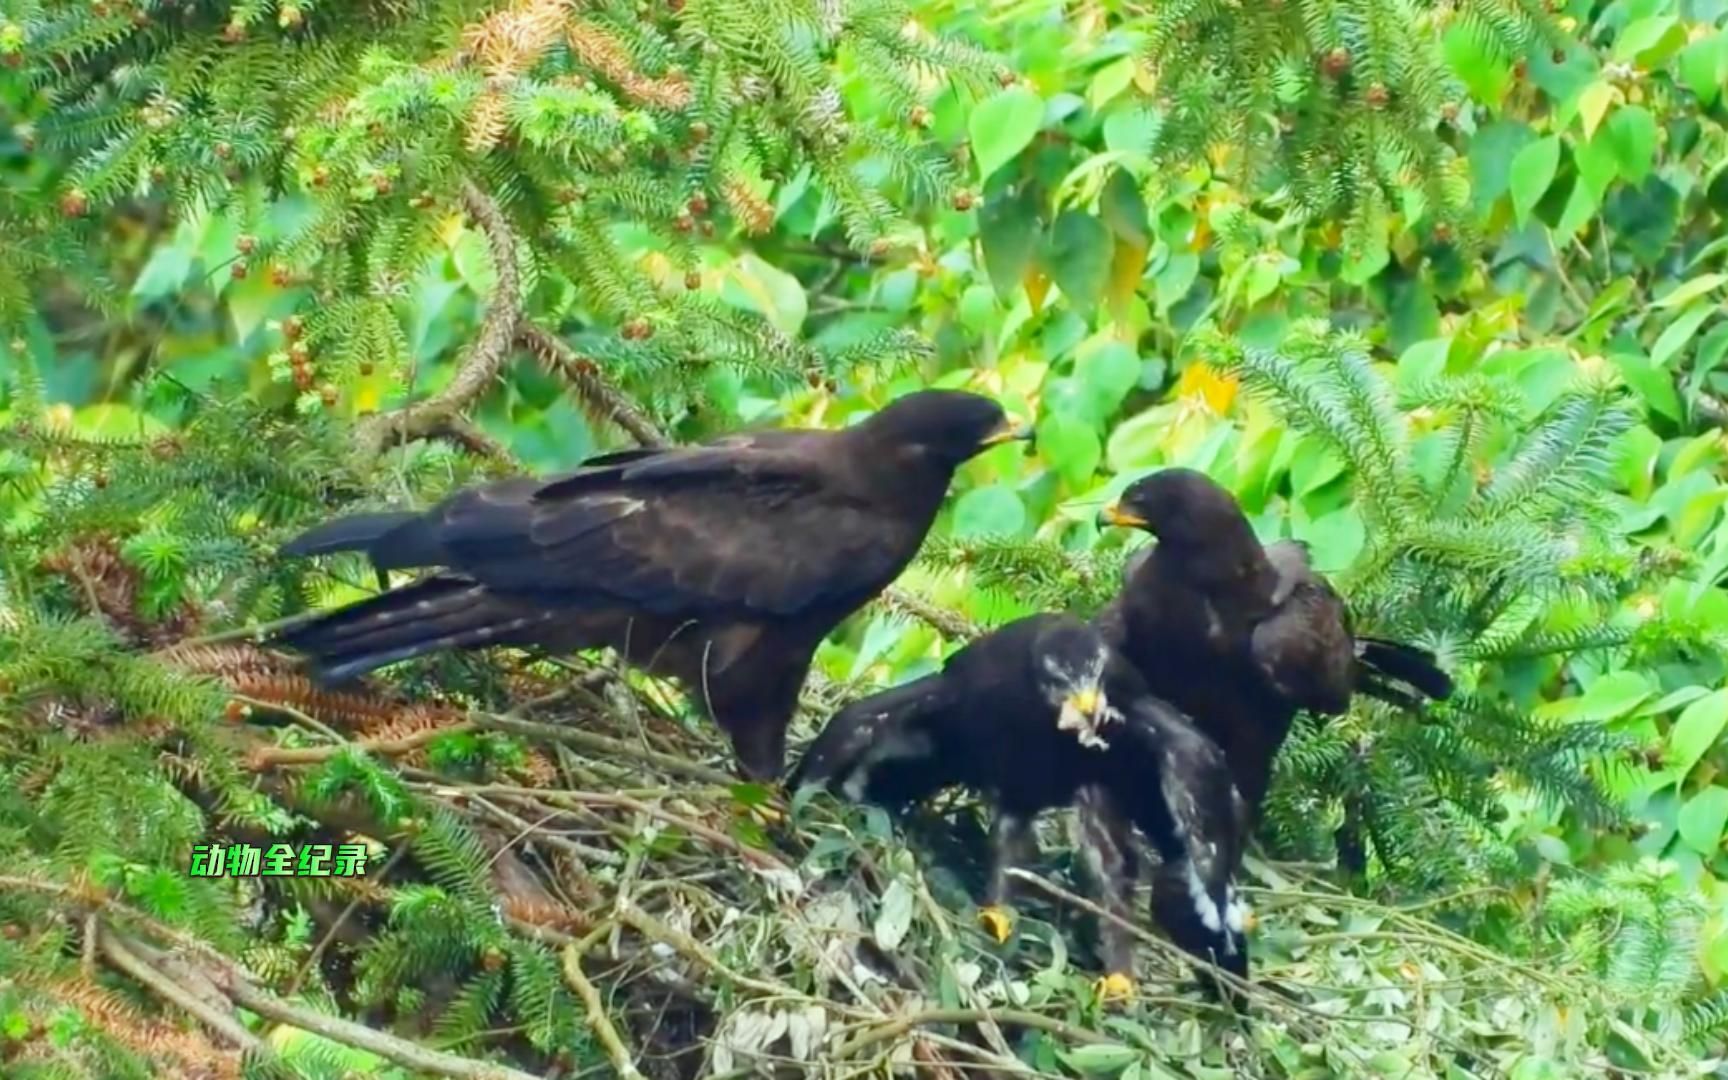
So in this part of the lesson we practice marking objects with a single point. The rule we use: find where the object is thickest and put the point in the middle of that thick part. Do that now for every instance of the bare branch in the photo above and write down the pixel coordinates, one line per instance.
(597, 393)
(439, 414)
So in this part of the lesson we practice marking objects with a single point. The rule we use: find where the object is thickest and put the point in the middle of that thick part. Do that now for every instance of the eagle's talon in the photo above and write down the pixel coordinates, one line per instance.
(1114, 987)
(998, 922)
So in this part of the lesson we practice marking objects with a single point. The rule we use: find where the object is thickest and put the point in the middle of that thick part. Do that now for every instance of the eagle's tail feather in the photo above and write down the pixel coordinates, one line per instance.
(1407, 664)
(392, 539)
(431, 615)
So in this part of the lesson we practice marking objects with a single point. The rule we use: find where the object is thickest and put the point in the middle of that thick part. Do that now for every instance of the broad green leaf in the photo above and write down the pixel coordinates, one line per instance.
(1532, 172)
(1108, 373)
(1002, 126)
(755, 285)
(1079, 258)
(894, 917)
(1688, 290)
(1593, 106)
(1702, 818)
(989, 511)
(1010, 230)
(1632, 130)
(1581, 206)
(1649, 41)
(1335, 539)
(1123, 208)
(1704, 66)
(1696, 731)
(1172, 282)
(1130, 128)
(1138, 441)
(117, 420)
(1679, 333)
(1071, 446)
(1607, 698)
(1477, 62)
(1100, 1059)
(1652, 383)
(1598, 163)
(166, 270)
(1111, 79)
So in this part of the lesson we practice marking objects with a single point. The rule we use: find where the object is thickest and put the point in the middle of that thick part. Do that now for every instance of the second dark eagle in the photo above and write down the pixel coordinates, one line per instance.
(1041, 714)
(1239, 636)
(723, 565)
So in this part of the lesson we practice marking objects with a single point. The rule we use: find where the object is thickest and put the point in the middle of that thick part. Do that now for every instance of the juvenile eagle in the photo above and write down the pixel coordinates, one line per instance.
(1239, 636)
(1042, 713)
(723, 565)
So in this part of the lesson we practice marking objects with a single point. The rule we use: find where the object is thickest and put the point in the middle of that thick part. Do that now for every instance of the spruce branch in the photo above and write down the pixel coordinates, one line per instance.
(622, 1060)
(598, 395)
(486, 356)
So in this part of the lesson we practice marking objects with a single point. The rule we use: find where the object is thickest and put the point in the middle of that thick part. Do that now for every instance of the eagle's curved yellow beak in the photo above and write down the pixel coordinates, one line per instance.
(1009, 430)
(1115, 515)
(1087, 702)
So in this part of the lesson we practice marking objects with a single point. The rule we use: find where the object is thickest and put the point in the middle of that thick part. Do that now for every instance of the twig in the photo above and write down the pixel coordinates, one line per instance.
(402, 1052)
(622, 1060)
(265, 757)
(347, 913)
(647, 925)
(601, 744)
(900, 1026)
(134, 966)
(947, 622)
(486, 356)
(761, 859)
(598, 394)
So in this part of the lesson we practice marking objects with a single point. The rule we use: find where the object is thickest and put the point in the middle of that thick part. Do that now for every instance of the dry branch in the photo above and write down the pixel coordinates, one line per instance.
(441, 413)
(599, 397)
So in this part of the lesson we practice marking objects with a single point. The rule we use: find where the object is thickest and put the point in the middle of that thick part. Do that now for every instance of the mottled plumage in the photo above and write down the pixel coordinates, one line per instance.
(722, 565)
(1039, 714)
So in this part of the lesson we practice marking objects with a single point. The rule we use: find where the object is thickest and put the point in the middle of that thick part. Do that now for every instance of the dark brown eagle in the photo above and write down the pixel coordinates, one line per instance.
(723, 565)
(1239, 636)
(1039, 714)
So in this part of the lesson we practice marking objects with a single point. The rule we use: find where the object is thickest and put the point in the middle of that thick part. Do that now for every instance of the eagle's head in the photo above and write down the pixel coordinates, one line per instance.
(1175, 505)
(946, 426)
(1071, 659)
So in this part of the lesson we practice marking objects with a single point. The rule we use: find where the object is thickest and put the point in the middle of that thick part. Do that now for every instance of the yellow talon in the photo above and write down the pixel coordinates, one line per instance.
(1114, 987)
(1250, 922)
(997, 922)
(768, 813)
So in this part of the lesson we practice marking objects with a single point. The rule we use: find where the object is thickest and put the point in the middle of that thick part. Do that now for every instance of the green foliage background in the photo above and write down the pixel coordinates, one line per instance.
(1435, 287)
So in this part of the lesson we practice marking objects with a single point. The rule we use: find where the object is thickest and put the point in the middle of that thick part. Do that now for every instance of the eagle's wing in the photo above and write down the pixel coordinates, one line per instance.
(1304, 647)
(720, 529)
(1204, 844)
(883, 747)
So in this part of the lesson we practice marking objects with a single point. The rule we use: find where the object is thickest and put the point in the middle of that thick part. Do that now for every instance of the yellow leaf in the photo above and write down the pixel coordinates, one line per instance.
(1593, 106)
(450, 230)
(367, 396)
(1037, 287)
(1145, 78)
(1127, 264)
(1202, 382)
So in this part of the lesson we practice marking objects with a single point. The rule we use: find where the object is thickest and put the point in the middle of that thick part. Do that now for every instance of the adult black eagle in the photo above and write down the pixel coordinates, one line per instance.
(1239, 636)
(722, 565)
(1042, 713)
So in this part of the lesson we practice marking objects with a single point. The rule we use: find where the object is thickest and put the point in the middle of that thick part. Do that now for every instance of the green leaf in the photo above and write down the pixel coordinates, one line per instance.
(1478, 63)
(1702, 819)
(755, 285)
(1079, 258)
(1704, 65)
(1652, 383)
(1689, 290)
(1070, 445)
(1335, 539)
(894, 917)
(1108, 373)
(1598, 163)
(1593, 106)
(1002, 126)
(1009, 230)
(1100, 1059)
(1679, 333)
(1532, 172)
(989, 511)
(1649, 41)
(1172, 282)
(1111, 79)
(1123, 208)
(1696, 731)
(1632, 131)
(1581, 206)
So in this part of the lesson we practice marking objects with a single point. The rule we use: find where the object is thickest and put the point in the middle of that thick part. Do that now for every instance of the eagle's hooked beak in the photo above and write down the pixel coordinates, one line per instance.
(1009, 431)
(1087, 703)
(1125, 519)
